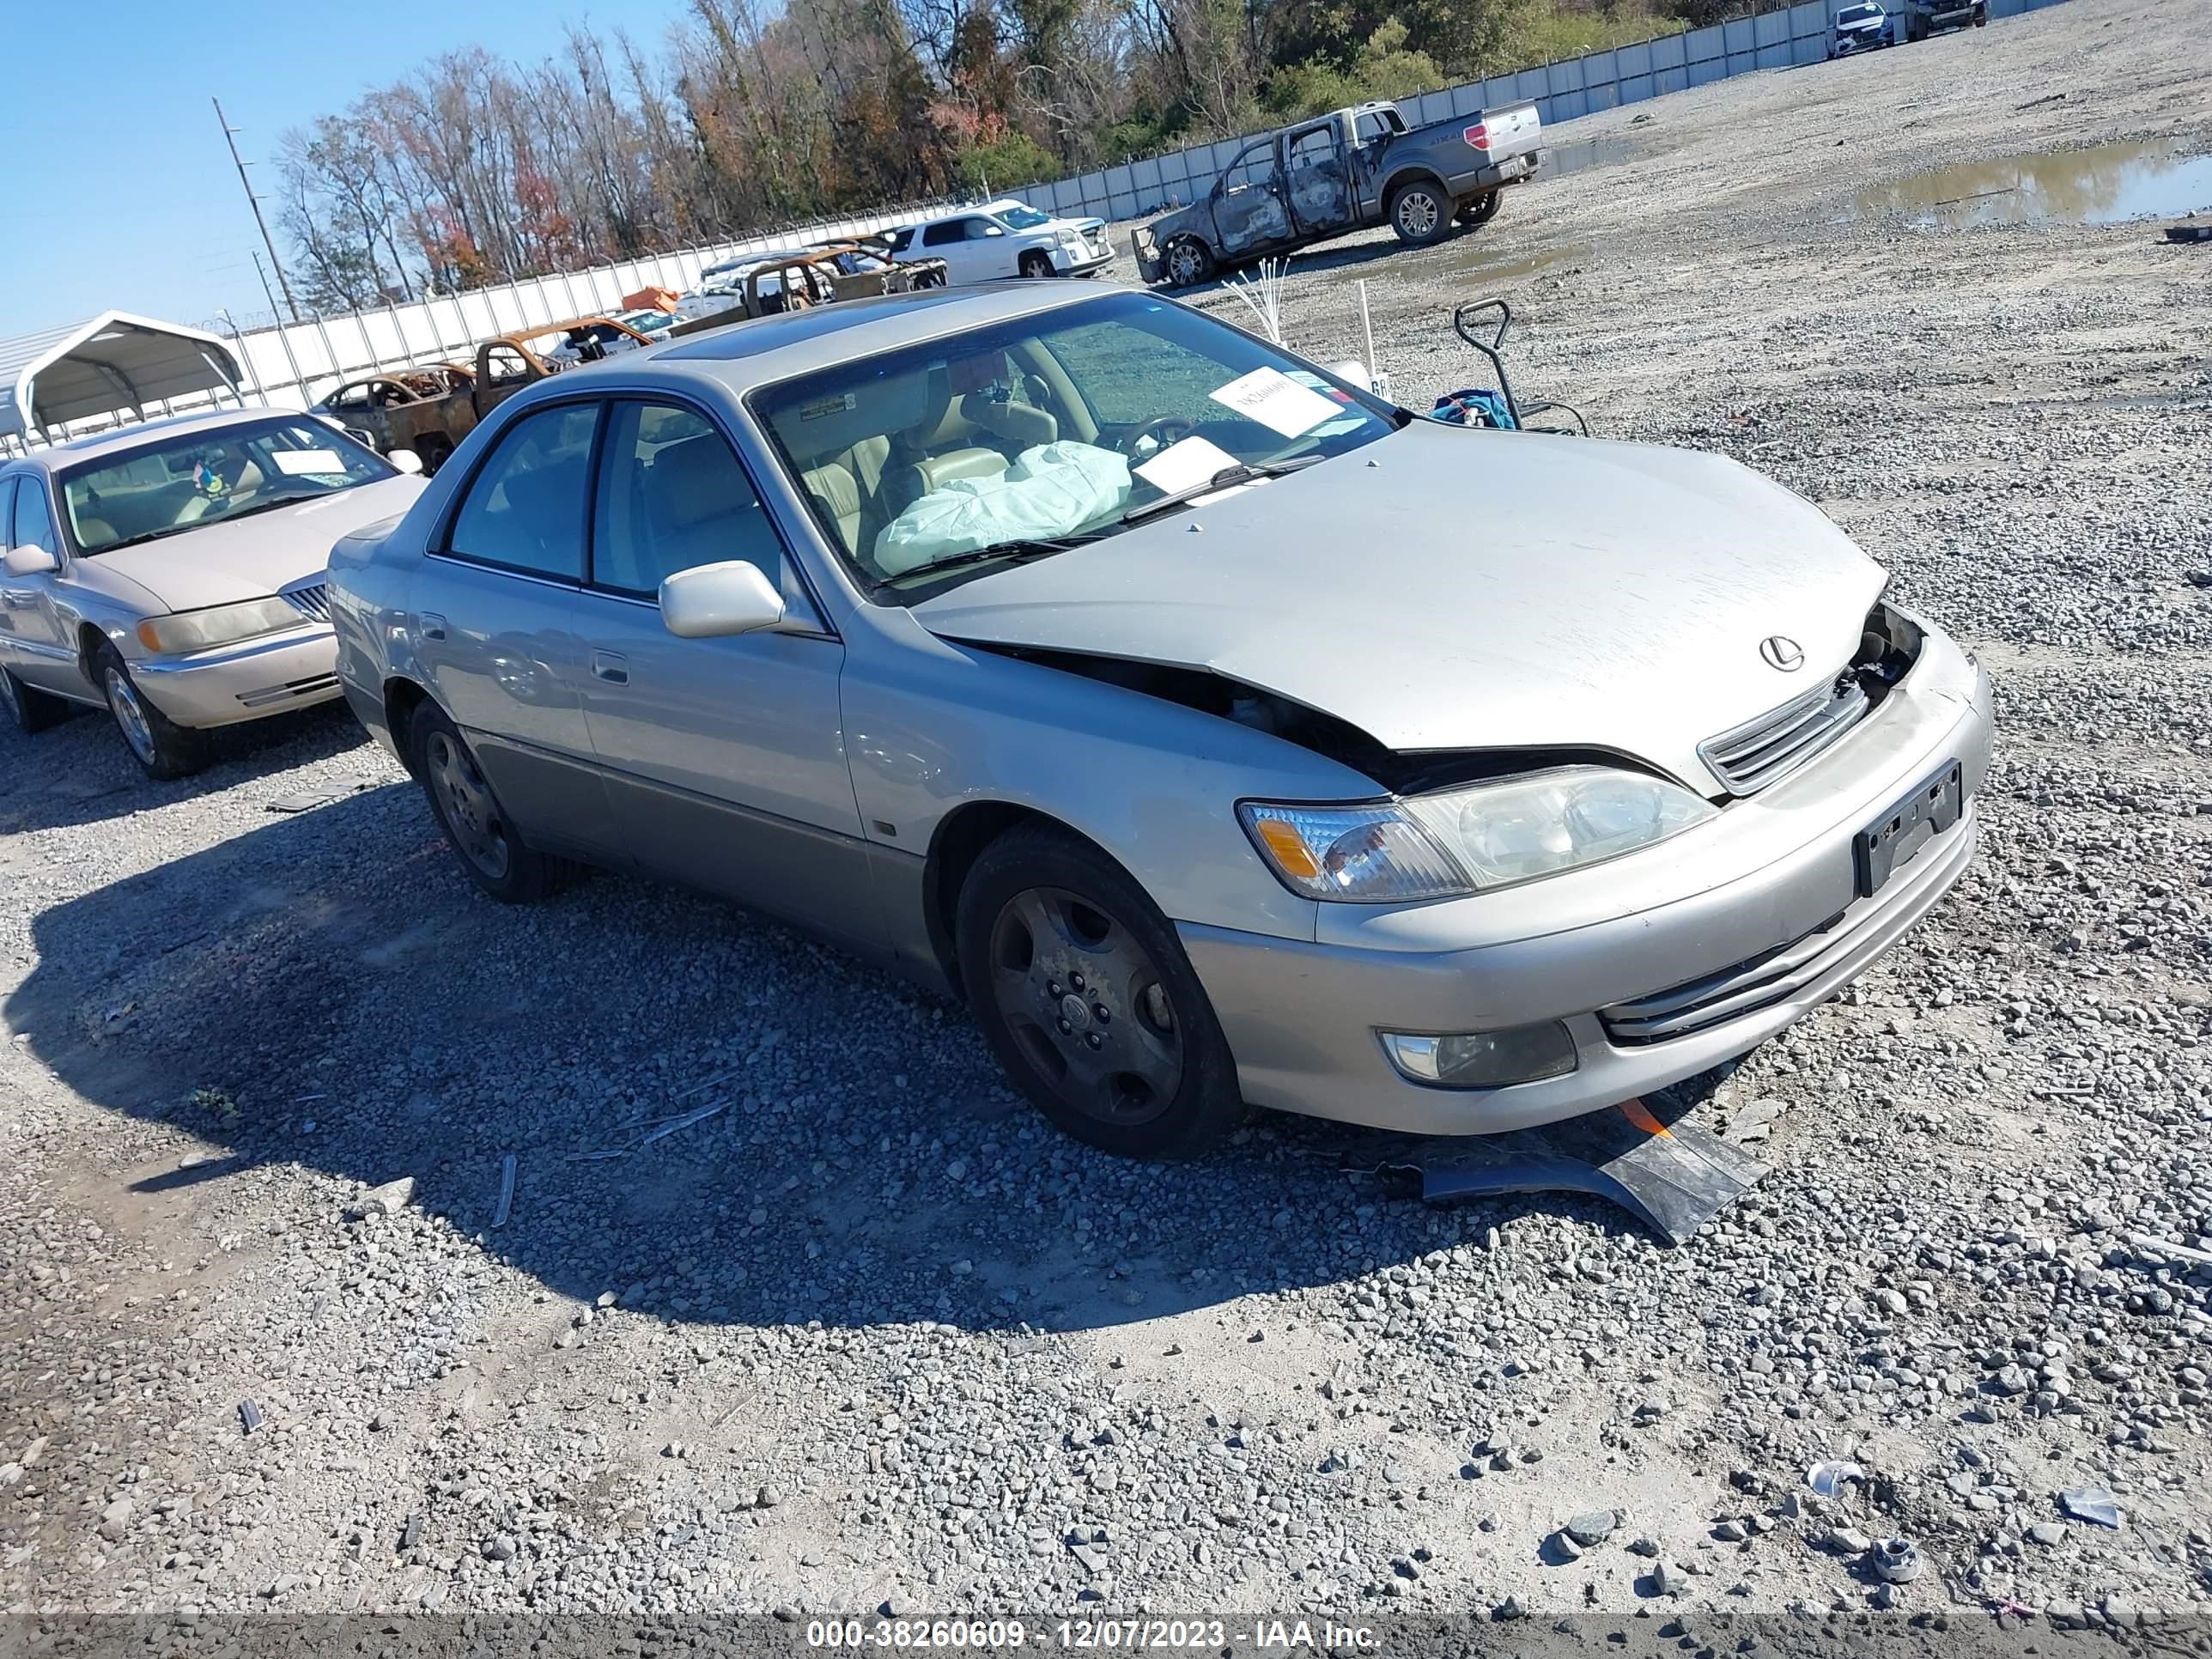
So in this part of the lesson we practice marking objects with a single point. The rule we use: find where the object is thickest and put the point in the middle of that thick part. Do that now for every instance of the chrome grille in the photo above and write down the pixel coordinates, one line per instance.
(310, 599)
(1764, 751)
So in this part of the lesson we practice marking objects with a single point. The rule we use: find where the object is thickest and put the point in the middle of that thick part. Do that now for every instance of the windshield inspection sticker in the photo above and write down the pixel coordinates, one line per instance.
(1274, 399)
(1184, 465)
(308, 463)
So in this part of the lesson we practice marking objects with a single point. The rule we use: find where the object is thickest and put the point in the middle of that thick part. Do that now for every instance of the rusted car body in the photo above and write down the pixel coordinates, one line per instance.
(509, 363)
(426, 409)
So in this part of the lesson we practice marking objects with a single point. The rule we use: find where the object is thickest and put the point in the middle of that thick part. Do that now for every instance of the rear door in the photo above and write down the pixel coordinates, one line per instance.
(495, 621)
(724, 758)
(1319, 178)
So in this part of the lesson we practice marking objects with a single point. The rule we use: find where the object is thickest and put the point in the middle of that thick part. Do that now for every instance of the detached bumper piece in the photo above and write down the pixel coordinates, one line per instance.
(1673, 1176)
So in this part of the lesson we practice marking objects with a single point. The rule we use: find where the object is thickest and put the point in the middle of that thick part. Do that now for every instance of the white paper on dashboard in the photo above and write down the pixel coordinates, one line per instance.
(1184, 465)
(1274, 398)
(306, 462)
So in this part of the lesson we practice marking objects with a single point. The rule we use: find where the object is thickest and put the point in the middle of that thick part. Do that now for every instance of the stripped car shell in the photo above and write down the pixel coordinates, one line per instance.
(1531, 625)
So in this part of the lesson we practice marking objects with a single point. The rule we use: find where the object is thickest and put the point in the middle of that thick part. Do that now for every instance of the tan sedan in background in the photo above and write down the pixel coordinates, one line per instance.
(172, 573)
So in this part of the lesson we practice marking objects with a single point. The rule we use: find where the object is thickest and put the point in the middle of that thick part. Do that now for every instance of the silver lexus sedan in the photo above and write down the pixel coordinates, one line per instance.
(1220, 733)
(172, 573)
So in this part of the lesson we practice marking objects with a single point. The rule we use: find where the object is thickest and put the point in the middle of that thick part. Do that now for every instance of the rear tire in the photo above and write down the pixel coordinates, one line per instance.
(26, 708)
(164, 749)
(490, 850)
(1421, 213)
(432, 452)
(1087, 999)
(1482, 209)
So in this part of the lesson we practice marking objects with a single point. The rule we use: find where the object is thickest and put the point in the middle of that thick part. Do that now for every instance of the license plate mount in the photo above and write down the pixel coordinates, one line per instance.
(1894, 840)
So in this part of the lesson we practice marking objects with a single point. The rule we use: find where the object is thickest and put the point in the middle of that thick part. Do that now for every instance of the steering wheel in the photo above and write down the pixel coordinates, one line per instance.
(1181, 425)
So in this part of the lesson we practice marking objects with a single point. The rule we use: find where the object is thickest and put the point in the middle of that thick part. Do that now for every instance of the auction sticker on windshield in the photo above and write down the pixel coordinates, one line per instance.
(1181, 466)
(1274, 399)
(308, 463)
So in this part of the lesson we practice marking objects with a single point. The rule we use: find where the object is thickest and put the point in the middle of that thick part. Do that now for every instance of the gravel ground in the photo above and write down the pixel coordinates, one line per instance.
(871, 1336)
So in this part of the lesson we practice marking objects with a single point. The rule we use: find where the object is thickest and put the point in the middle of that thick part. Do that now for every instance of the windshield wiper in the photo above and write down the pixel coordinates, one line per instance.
(1227, 477)
(1018, 551)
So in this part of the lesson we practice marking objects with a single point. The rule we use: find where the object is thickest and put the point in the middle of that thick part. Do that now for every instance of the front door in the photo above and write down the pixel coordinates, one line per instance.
(41, 646)
(494, 623)
(1320, 179)
(1249, 215)
(724, 758)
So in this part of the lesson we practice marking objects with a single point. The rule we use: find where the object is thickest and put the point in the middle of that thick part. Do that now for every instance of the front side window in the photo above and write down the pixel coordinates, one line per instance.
(525, 508)
(979, 230)
(1005, 442)
(195, 479)
(672, 496)
(34, 520)
(1254, 168)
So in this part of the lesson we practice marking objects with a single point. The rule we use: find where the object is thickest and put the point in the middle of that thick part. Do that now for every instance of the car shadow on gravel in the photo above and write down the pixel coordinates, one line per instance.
(326, 991)
(80, 772)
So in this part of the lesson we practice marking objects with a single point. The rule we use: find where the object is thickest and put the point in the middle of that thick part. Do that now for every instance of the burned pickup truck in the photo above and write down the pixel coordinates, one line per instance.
(1343, 172)
(793, 279)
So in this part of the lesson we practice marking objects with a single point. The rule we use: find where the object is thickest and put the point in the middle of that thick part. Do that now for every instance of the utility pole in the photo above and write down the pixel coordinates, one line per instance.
(230, 137)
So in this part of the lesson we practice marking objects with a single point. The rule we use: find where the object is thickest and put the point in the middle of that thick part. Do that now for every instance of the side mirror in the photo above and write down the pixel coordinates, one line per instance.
(31, 561)
(405, 459)
(994, 230)
(713, 601)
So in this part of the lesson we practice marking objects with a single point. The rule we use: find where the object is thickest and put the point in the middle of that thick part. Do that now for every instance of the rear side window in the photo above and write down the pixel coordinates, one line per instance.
(7, 497)
(947, 230)
(33, 520)
(525, 508)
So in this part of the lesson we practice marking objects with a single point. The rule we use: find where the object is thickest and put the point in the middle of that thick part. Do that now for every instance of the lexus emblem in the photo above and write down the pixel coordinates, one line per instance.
(1779, 651)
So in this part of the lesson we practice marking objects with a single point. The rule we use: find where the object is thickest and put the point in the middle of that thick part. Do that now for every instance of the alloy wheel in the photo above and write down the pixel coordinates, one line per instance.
(1087, 1006)
(469, 810)
(1183, 264)
(1417, 213)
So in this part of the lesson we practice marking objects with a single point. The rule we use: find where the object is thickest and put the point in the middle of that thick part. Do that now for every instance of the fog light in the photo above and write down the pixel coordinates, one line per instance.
(1484, 1059)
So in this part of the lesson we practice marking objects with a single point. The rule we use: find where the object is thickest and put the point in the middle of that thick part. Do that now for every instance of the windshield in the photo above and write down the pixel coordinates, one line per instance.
(1018, 218)
(198, 478)
(1859, 14)
(1043, 429)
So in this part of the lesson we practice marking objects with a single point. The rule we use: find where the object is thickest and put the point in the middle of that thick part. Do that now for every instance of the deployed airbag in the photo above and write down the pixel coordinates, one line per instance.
(1052, 489)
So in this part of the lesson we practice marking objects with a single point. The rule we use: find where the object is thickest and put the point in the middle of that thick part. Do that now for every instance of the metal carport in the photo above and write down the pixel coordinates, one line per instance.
(113, 362)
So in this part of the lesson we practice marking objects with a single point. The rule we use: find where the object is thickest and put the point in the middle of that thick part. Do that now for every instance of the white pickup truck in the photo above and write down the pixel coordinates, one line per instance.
(1343, 172)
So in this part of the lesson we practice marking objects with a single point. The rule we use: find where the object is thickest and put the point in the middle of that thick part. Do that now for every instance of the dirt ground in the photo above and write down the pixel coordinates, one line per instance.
(869, 1338)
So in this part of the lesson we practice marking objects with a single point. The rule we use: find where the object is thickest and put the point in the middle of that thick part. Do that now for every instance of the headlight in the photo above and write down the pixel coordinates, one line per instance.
(1068, 236)
(221, 624)
(1462, 841)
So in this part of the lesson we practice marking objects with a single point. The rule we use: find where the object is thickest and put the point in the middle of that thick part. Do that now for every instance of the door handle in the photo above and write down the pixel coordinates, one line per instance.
(433, 625)
(607, 665)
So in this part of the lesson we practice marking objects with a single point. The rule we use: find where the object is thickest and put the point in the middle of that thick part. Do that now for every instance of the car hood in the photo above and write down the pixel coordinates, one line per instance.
(251, 558)
(1444, 588)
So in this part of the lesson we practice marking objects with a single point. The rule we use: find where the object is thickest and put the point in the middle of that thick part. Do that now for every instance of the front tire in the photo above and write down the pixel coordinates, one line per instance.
(165, 749)
(1421, 213)
(26, 708)
(1035, 266)
(492, 853)
(1087, 999)
(1189, 263)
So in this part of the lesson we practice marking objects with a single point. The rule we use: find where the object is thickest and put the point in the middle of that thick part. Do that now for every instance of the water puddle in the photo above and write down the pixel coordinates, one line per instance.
(1472, 261)
(2145, 178)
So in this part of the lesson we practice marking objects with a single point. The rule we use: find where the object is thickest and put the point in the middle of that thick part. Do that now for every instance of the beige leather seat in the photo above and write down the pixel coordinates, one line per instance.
(846, 486)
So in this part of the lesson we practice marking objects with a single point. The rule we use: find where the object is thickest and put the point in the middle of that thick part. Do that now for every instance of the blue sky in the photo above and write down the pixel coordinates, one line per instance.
(120, 191)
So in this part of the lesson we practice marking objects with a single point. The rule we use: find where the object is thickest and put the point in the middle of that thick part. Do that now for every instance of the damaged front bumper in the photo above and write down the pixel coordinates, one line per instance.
(1680, 969)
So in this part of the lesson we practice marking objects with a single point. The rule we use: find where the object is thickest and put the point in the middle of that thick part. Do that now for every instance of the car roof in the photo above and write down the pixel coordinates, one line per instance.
(130, 437)
(756, 350)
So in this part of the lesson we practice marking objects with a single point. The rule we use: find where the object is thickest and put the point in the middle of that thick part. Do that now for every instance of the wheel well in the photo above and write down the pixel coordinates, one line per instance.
(1418, 176)
(401, 698)
(959, 841)
(89, 643)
